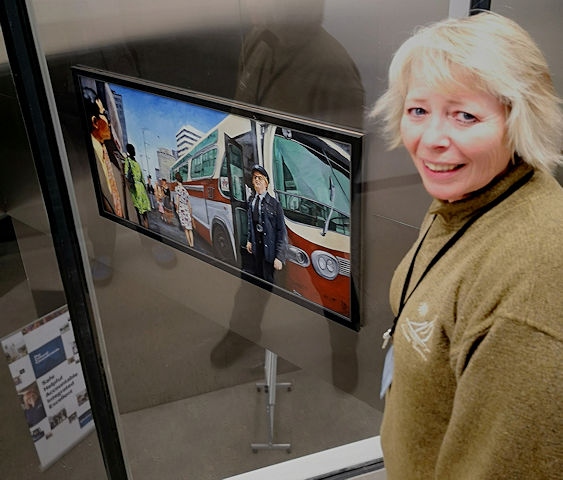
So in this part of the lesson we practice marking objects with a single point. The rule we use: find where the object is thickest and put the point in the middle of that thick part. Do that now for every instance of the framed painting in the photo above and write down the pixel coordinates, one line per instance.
(190, 170)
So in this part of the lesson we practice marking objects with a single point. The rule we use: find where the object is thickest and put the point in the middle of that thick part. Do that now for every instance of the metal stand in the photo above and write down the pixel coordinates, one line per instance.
(270, 385)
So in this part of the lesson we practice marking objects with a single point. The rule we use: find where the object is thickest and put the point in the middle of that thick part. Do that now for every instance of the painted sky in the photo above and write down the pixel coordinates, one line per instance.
(153, 121)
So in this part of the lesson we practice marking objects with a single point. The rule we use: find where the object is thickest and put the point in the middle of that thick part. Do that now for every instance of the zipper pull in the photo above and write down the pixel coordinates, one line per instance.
(386, 338)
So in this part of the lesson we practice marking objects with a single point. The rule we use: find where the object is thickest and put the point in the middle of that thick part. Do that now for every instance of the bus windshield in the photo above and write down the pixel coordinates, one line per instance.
(313, 188)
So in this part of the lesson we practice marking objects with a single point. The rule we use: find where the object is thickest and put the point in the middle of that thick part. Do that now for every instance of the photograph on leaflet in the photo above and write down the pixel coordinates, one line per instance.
(270, 198)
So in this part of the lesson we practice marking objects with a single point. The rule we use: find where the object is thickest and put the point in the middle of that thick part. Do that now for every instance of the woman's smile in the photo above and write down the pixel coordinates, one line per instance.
(456, 138)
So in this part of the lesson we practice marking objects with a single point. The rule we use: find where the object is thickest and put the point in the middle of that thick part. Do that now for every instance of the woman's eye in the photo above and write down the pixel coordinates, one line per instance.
(465, 117)
(416, 111)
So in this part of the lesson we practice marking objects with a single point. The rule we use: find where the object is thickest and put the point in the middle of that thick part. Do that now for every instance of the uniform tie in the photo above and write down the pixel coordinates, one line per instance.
(257, 213)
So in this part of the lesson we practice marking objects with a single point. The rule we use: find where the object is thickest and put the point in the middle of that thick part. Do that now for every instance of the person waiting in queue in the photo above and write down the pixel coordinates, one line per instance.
(150, 191)
(109, 170)
(267, 235)
(184, 209)
(134, 175)
(473, 383)
(115, 196)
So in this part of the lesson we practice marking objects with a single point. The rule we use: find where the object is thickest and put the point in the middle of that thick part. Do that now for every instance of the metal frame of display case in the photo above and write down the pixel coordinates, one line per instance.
(31, 81)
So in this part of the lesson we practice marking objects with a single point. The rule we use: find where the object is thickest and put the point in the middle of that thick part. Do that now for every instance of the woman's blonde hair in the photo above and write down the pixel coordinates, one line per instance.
(494, 54)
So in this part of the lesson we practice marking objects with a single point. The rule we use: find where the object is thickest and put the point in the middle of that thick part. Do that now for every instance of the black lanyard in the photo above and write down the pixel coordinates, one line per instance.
(449, 244)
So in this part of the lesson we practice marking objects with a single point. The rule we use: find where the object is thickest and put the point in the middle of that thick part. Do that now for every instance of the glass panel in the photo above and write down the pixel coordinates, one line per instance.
(188, 344)
(42, 412)
(542, 20)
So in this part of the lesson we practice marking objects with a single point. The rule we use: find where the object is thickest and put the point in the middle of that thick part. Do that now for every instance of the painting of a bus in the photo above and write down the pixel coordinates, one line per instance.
(310, 168)
(310, 177)
(213, 190)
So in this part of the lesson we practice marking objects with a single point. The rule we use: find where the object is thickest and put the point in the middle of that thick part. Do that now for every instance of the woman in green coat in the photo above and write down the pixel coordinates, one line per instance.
(136, 182)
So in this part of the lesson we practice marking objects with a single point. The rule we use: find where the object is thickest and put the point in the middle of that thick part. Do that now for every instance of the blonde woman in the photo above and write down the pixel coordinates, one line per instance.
(473, 383)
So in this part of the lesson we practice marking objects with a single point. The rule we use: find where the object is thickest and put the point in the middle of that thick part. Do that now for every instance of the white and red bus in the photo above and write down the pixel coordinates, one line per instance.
(309, 175)
(206, 173)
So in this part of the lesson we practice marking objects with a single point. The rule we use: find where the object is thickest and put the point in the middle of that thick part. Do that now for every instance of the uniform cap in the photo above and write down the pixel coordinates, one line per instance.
(262, 170)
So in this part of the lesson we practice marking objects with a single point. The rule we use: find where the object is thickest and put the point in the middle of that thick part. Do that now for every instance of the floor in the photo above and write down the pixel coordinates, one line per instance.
(206, 435)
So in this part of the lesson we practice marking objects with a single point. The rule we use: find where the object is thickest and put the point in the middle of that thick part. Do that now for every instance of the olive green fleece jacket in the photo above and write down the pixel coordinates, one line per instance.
(477, 388)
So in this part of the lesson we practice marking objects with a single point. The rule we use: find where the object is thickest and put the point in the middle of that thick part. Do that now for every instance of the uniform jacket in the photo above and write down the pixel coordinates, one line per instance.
(275, 233)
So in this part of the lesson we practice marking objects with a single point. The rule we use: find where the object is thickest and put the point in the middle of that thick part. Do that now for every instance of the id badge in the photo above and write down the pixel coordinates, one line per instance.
(387, 376)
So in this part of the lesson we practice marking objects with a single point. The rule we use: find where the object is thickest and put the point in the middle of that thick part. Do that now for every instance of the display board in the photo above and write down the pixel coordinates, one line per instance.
(46, 370)
(178, 166)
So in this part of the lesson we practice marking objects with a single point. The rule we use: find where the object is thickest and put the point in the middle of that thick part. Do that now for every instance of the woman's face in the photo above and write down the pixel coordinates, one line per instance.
(456, 138)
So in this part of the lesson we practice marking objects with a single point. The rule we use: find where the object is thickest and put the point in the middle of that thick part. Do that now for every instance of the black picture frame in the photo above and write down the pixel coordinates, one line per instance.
(314, 171)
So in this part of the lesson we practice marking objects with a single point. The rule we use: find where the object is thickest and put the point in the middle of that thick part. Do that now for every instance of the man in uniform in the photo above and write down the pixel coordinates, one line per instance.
(267, 235)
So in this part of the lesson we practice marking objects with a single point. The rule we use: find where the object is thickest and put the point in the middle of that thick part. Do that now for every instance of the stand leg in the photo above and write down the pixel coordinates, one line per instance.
(270, 385)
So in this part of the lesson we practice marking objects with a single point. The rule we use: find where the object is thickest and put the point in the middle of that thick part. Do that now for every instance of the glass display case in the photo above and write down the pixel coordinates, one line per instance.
(189, 366)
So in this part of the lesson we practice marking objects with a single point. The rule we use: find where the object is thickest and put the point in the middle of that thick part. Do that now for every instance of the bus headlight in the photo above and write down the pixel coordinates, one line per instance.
(298, 256)
(325, 264)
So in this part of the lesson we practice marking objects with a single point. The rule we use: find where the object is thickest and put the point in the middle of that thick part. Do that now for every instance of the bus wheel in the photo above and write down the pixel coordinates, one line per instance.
(222, 244)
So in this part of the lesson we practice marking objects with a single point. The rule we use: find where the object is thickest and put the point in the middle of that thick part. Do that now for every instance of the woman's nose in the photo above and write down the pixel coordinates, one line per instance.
(436, 134)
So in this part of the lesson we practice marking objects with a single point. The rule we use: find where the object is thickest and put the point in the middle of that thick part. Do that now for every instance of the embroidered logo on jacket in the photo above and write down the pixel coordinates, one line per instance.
(418, 333)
